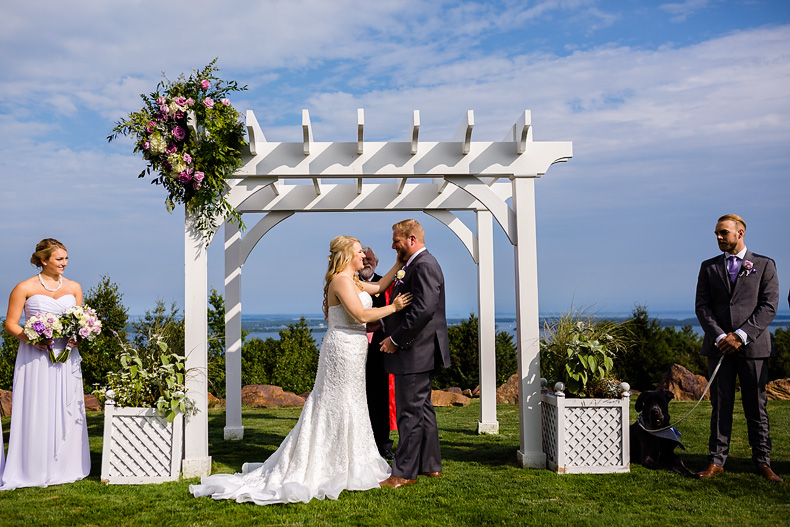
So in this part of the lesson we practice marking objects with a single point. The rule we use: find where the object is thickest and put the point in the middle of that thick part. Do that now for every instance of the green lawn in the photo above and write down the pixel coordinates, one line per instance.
(481, 485)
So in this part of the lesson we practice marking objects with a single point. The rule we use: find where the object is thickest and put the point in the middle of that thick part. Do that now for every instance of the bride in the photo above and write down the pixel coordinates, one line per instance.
(331, 448)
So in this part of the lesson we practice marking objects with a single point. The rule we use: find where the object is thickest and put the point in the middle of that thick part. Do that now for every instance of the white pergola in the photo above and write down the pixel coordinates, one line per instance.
(437, 178)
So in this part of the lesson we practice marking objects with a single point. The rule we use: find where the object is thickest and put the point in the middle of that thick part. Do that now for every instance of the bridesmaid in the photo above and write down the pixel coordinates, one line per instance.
(48, 444)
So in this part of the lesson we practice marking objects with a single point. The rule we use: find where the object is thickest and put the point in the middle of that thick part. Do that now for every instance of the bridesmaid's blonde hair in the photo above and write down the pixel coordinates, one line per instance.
(341, 251)
(44, 250)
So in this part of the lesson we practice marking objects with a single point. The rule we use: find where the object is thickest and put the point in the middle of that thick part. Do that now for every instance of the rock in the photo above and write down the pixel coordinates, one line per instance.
(467, 393)
(5, 403)
(453, 389)
(683, 384)
(92, 403)
(778, 390)
(508, 392)
(266, 396)
(476, 391)
(215, 402)
(444, 398)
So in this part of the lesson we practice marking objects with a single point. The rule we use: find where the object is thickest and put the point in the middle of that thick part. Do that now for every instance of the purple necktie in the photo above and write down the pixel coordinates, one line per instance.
(732, 267)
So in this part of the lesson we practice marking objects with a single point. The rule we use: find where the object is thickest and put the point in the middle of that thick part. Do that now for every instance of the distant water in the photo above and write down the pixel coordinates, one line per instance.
(269, 326)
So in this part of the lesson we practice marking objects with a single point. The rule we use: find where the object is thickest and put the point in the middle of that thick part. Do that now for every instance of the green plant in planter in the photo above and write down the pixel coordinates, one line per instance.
(579, 350)
(151, 378)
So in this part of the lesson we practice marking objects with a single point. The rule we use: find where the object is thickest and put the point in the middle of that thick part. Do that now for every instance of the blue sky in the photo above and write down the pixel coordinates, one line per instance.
(678, 112)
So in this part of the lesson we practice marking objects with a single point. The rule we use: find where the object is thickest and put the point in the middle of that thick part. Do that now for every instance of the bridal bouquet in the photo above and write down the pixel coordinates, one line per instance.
(192, 138)
(78, 323)
(41, 329)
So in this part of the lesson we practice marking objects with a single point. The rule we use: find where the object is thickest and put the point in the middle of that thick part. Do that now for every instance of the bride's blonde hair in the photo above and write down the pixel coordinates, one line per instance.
(341, 251)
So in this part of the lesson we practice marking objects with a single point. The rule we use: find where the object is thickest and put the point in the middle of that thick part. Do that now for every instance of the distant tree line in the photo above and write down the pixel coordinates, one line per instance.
(292, 360)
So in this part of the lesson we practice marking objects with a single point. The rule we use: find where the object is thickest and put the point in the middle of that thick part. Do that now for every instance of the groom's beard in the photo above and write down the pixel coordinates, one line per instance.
(366, 273)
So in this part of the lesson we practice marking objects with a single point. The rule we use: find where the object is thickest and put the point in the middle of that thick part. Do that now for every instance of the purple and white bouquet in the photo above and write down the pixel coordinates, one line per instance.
(78, 323)
(41, 329)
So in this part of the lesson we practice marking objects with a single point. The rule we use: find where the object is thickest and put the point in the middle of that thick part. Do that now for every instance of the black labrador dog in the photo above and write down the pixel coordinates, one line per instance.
(656, 449)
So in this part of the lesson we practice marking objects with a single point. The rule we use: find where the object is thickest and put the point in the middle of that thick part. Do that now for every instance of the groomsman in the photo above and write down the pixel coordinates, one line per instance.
(416, 345)
(737, 298)
(377, 379)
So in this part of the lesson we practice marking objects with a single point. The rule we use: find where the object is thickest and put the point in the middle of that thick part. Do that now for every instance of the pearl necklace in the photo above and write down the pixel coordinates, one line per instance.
(41, 281)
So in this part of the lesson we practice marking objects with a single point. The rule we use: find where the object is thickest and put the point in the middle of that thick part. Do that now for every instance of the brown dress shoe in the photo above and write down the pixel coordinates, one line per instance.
(766, 472)
(711, 471)
(395, 482)
(432, 474)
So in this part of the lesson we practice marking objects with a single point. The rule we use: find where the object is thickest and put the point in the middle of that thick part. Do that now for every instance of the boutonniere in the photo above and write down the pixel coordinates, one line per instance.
(747, 268)
(399, 276)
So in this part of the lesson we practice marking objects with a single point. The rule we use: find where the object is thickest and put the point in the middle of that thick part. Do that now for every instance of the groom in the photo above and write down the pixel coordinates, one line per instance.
(416, 345)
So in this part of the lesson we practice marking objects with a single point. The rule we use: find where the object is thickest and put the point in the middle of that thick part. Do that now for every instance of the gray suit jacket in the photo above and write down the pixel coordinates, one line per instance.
(420, 330)
(749, 304)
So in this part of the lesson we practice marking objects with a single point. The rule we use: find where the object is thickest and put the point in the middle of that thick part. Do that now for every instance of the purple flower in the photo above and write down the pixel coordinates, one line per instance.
(184, 178)
(84, 332)
(150, 127)
(179, 133)
(747, 264)
(38, 326)
(205, 84)
(179, 114)
(187, 158)
(171, 149)
(190, 102)
(164, 110)
(208, 102)
(161, 101)
(225, 102)
(199, 176)
(180, 100)
(147, 145)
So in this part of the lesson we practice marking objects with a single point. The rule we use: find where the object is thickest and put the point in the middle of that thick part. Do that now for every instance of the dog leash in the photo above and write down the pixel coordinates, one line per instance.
(715, 371)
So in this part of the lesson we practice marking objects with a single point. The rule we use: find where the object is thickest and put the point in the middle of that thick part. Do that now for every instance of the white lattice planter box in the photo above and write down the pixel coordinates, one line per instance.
(586, 435)
(140, 446)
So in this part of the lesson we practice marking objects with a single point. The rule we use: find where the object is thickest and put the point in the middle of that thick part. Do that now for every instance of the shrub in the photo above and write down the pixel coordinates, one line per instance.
(464, 370)
(8, 351)
(779, 366)
(101, 355)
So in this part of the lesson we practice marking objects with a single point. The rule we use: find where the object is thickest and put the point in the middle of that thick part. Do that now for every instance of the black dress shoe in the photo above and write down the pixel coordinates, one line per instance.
(388, 455)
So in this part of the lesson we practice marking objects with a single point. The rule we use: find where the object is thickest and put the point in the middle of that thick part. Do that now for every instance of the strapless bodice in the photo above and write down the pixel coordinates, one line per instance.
(338, 317)
(44, 304)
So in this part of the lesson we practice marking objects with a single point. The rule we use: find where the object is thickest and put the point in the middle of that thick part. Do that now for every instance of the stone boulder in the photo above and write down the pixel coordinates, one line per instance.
(683, 384)
(778, 390)
(266, 396)
(508, 392)
(5, 403)
(454, 389)
(445, 398)
(92, 403)
(215, 402)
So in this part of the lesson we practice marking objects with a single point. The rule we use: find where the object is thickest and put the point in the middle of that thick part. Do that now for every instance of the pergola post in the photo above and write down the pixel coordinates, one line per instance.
(197, 462)
(233, 426)
(525, 251)
(488, 423)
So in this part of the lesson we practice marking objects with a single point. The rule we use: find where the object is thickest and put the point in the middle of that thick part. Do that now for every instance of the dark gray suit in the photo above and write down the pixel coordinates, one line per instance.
(722, 307)
(420, 331)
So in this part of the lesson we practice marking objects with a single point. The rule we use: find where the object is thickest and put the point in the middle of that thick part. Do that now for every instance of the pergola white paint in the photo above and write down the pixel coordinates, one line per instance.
(432, 177)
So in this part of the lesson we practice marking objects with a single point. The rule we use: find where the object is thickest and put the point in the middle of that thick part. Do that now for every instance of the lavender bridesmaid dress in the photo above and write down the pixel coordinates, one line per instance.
(48, 444)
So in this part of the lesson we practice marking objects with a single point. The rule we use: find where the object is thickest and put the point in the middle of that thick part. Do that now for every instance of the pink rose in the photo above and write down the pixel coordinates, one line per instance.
(147, 145)
(180, 100)
(84, 332)
(171, 149)
(161, 101)
(199, 176)
(205, 84)
(226, 102)
(179, 133)
(196, 185)
(150, 127)
(184, 178)
(187, 158)
(190, 102)
(208, 102)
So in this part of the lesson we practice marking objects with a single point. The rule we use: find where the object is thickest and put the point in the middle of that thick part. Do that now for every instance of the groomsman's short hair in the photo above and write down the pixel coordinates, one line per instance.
(734, 217)
(408, 228)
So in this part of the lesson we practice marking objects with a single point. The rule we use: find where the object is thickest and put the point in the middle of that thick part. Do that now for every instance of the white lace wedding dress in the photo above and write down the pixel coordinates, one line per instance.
(331, 448)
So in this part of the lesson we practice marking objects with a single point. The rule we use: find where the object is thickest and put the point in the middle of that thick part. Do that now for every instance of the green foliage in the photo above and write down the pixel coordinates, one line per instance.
(8, 350)
(779, 366)
(168, 326)
(290, 362)
(216, 343)
(653, 350)
(464, 370)
(579, 350)
(149, 378)
(100, 355)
